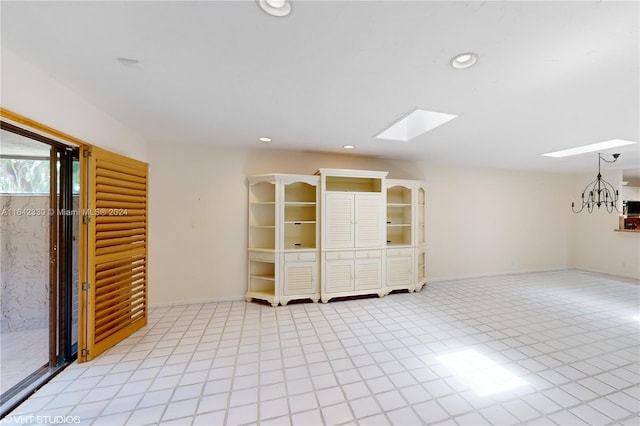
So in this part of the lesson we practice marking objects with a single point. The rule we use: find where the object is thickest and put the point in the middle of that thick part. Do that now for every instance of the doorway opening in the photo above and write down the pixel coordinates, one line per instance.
(39, 243)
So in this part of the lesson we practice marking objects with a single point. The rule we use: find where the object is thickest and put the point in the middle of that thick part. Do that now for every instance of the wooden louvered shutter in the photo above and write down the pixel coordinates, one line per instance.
(113, 302)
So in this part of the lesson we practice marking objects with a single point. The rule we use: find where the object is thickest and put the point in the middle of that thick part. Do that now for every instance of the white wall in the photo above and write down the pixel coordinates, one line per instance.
(483, 222)
(631, 193)
(478, 221)
(28, 91)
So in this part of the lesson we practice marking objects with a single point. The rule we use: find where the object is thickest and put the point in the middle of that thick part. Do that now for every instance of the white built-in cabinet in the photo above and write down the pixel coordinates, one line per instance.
(338, 233)
(405, 235)
(283, 235)
(353, 233)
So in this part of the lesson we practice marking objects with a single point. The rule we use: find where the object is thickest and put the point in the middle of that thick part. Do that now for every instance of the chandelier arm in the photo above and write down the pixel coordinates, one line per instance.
(588, 190)
(613, 198)
(610, 188)
(574, 209)
(590, 185)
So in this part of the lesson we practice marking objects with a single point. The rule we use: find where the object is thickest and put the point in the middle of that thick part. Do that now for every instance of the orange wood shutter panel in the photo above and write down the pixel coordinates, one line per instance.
(114, 297)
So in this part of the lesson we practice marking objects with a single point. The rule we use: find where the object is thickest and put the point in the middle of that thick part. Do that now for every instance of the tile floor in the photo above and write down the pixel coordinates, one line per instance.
(573, 337)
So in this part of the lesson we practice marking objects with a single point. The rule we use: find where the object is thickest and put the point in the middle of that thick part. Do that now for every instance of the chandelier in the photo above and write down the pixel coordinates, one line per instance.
(599, 192)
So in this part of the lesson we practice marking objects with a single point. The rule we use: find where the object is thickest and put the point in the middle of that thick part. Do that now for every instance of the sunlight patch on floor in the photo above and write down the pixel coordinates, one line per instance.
(484, 376)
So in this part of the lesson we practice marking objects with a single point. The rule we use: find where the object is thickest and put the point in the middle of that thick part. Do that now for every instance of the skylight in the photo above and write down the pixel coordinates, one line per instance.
(414, 124)
(482, 375)
(600, 146)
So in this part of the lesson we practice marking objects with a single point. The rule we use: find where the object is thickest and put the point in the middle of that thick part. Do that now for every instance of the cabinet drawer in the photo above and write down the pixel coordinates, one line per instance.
(369, 254)
(339, 255)
(400, 252)
(300, 257)
(258, 255)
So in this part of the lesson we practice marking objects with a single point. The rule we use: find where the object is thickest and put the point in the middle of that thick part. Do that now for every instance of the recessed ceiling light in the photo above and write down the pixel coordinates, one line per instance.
(464, 60)
(348, 146)
(600, 146)
(277, 8)
(264, 139)
(414, 124)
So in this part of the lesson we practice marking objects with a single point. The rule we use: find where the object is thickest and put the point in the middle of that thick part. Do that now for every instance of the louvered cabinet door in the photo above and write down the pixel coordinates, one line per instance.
(368, 274)
(339, 275)
(369, 222)
(300, 278)
(113, 302)
(400, 270)
(339, 232)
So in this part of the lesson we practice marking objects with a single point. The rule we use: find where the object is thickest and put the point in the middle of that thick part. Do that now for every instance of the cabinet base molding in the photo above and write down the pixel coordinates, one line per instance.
(327, 297)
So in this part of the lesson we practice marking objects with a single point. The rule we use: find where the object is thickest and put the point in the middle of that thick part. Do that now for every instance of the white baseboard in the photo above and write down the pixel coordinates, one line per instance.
(493, 274)
(197, 301)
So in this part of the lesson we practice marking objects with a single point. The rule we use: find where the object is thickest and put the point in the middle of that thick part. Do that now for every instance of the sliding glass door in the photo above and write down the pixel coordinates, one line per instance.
(39, 260)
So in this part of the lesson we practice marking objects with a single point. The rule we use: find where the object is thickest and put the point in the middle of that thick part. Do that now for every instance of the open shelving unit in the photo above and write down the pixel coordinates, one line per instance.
(262, 277)
(300, 216)
(421, 216)
(283, 219)
(399, 216)
(421, 249)
(262, 216)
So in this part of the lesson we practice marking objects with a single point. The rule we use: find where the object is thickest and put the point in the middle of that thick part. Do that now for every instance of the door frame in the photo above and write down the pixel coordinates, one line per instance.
(60, 346)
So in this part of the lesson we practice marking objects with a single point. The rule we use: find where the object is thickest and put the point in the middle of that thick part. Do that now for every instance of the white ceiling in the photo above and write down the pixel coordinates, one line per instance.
(551, 75)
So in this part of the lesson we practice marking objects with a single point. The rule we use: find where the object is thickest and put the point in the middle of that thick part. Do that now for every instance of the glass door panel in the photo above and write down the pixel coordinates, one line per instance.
(25, 184)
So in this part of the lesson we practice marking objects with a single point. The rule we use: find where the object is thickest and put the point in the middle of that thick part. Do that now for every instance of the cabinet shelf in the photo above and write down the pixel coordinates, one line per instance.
(300, 203)
(262, 192)
(346, 183)
(265, 293)
(298, 212)
(300, 192)
(262, 215)
(267, 277)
